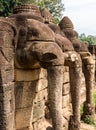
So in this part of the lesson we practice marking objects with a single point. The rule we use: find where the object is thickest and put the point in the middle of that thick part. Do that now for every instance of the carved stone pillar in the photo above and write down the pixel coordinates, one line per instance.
(7, 106)
(75, 70)
(89, 73)
(75, 83)
(55, 81)
(88, 64)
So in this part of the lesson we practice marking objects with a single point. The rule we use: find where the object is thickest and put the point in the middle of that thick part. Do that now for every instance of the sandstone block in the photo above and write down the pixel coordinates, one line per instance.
(66, 89)
(23, 117)
(66, 69)
(29, 75)
(46, 125)
(65, 124)
(38, 110)
(5, 65)
(8, 54)
(7, 87)
(41, 95)
(66, 113)
(41, 84)
(26, 128)
(82, 95)
(39, 124)
(65, 100)
(7, 76)
(25, 94)
(66, 77)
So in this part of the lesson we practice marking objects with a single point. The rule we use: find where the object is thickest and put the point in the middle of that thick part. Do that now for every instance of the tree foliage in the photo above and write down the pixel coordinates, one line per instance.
(91, 40)
(54, 6)
(6, 6)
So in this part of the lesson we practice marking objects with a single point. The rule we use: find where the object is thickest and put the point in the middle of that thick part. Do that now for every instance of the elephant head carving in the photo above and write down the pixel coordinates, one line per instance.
(36, 41)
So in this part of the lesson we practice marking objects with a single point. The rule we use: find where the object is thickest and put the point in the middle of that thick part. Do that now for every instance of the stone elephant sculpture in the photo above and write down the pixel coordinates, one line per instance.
(36, 47)
(73, 61)
(88, 64)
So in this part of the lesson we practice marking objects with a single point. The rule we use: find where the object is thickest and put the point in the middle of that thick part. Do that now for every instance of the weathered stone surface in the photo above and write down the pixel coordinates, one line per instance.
(25, 128)
(23, 117)
(64, 43)
(39, 124)
(66, 77)
(7, 102)
(65, 100)
(41, 84)
(38, 110)
(5, 40)
(42, 95)
(7, 76)
(47, 125)
(6, 123)
(66, 69)
(55, 95)
(39, 44)
(43, 33)
(66, 23)
(66, 112)
(6, 87)
(5, 65)
(65, 123)
(29, 75)
(30, 11)
(83, 95)
(24, 94)
(66, 89)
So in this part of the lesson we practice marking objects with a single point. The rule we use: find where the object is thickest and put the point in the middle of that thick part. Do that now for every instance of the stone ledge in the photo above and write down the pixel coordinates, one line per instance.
(29, 75)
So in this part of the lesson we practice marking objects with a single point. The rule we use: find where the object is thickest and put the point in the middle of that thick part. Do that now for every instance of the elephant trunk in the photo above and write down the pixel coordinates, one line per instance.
(55, 78)
(89, 72)
(75, 82)
(73, 60)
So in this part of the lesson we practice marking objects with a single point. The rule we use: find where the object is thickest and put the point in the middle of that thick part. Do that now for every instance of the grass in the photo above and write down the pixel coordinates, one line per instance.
(89, 121)
(94, 97)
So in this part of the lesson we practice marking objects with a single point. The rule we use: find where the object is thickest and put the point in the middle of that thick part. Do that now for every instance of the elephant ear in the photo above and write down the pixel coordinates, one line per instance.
(48, 57)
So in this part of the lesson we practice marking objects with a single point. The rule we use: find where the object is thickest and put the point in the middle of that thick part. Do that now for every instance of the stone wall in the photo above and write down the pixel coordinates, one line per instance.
(6, 77)
(31, 99)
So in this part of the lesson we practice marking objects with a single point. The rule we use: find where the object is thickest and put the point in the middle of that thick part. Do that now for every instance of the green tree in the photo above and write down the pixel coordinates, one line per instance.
(54, 6)
(91, 40)
(6, 6)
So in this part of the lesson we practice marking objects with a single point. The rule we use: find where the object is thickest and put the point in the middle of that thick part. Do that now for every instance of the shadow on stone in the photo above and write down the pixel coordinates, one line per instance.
(49, 128)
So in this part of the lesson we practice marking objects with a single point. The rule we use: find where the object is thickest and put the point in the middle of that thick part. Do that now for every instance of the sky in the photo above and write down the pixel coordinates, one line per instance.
(83, 15)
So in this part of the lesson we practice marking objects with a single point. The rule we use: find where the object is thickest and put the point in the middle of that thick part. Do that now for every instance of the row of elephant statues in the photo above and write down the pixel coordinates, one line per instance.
(38, 42)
